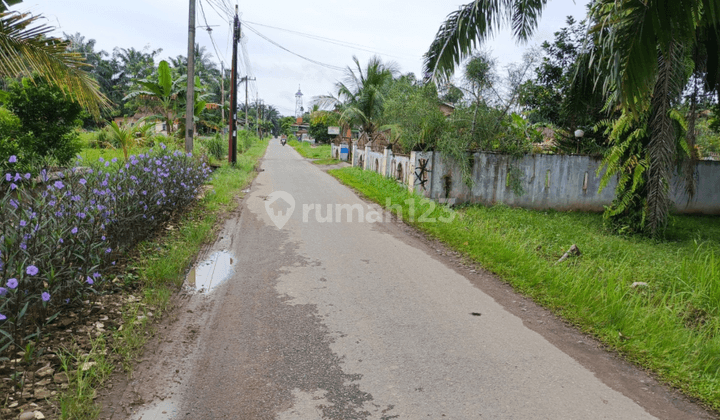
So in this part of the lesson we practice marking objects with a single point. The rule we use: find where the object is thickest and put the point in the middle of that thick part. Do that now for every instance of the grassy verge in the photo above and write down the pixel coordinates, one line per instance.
(159, 265)
(329, 161)
(306, 150)
(670, 324)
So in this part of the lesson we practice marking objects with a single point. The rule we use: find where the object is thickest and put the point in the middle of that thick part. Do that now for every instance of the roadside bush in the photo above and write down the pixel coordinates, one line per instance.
(9, 130)
(56, 237)
(48, 119)
(245, 140)
(217, 146)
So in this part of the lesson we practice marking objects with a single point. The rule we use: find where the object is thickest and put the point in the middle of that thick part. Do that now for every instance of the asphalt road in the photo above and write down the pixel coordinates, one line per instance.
(351, 320)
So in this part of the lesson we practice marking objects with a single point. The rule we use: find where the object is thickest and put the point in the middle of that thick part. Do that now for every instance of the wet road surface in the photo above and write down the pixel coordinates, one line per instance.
(330, 319)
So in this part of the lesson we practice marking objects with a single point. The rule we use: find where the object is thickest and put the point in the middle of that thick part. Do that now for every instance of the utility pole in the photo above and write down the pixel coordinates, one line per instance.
(246, 79)
(232, 150)
(257, 112)
(262, 118)
(190, 100)
(222, 93)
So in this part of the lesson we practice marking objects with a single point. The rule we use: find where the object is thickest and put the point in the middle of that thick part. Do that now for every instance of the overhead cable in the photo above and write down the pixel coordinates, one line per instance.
(329, 66)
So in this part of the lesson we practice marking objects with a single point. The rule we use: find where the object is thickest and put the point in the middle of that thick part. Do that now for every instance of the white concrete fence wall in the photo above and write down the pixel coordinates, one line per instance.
(538, 181)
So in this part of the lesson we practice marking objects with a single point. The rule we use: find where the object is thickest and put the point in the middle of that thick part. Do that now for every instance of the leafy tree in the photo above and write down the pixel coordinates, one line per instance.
(319, 123)
(480, 77)
(413, 115)
(48, 119)
(286, 125)
(10, 130)
(556, 96)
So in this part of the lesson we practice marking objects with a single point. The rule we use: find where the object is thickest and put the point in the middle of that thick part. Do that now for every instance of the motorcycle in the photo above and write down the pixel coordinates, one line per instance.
(283, 140)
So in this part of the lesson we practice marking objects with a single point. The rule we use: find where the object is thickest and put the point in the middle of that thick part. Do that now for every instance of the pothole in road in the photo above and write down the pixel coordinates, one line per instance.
(208, 274)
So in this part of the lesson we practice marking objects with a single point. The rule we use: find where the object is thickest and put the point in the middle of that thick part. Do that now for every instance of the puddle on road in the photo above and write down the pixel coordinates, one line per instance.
(206, 275)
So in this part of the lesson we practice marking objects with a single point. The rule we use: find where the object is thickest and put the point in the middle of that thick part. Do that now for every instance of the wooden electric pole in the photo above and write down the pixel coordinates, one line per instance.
(222, 93)
(232, 150)
(190, 99)
(246, 79)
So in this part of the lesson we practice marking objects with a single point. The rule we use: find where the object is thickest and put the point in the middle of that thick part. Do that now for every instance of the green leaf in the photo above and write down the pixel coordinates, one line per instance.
(165, 78)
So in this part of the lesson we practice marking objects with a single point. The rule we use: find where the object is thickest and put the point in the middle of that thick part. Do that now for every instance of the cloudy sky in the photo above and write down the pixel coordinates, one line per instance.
(329, 32)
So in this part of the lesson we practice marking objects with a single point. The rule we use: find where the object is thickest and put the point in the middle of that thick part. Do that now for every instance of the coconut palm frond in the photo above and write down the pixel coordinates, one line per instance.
(473, 24)
(25, 49)
(325, 101)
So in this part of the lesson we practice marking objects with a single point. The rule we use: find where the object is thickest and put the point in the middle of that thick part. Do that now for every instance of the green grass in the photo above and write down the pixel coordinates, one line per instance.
(85, 372)
(159, 266)
(671, 327)
(327, 161)
(323, 151)
(92, 155)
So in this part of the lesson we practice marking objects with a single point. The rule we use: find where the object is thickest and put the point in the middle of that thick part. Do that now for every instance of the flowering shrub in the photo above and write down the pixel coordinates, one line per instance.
(56, 236)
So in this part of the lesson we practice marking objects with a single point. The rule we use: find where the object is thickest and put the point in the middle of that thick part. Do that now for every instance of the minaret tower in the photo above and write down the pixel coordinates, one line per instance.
(298, 103)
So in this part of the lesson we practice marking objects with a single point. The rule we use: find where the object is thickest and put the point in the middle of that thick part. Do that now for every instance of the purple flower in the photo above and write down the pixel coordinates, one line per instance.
(12, 159)
(13, 186)
(107, 164)
(89, 281)
(3, 291)
(81, 215)
(32, 270)
(2, 317)
(101, 159)
(59, 185)
(23, 223)
(74, 230)
(82, 181)
(12, 283)
(14, 203)
(8, 177)
(27, 176)
(45, 296)
(109, 250)
(61, 240)
(114, 160)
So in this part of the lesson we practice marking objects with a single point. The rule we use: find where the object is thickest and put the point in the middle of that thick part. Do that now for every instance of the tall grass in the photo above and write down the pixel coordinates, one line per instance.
(658, 303)
(306, 150)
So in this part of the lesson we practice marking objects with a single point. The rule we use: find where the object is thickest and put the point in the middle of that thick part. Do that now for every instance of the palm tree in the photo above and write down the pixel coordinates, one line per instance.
(640, 46)
(25, 49)
(128, 134)
(361, 94)
(164, 92)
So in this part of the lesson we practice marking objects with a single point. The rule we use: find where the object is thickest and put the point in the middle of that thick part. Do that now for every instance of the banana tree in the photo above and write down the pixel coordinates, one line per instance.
(163, 93)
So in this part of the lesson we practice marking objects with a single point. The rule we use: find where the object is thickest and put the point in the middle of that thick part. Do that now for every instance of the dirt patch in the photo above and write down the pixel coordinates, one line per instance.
(33, 380)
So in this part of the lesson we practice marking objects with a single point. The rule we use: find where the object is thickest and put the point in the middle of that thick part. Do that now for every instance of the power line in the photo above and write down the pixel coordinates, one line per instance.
(331, 41)
(226, 17)
(329, 66)
(209, 29)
